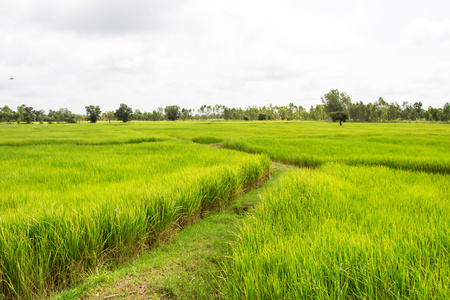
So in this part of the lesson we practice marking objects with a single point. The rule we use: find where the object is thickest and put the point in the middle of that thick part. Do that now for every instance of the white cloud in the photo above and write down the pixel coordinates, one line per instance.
(101, 17)
(423, 31)
(238, 53)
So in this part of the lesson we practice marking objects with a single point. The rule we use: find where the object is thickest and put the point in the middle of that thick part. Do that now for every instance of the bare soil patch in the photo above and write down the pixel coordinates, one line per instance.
(275, 165)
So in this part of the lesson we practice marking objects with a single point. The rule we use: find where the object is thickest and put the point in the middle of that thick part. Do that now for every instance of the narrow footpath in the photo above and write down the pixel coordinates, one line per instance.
(188, 267)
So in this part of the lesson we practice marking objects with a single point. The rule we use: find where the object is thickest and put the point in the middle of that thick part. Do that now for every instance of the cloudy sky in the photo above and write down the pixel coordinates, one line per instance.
(239, 53)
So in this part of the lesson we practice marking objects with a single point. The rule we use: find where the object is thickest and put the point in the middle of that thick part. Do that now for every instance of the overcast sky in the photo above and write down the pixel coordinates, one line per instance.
(239, 53)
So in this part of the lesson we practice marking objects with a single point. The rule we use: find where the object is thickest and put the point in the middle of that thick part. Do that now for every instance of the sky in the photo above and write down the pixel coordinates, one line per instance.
(239, 53)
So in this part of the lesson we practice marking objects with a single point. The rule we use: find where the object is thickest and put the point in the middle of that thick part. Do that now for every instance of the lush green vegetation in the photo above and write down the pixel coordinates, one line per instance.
(409, 146)
(191, 267)
(416, 147)
(332, 102)
(67, 208)
(368, 220)
(341, 232)
(84, 134)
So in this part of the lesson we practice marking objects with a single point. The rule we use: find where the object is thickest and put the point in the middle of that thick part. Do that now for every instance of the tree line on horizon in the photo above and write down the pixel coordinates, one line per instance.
(335, 106)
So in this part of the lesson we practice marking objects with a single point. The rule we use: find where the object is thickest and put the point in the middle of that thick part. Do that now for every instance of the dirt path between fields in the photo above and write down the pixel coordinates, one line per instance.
(182, 261)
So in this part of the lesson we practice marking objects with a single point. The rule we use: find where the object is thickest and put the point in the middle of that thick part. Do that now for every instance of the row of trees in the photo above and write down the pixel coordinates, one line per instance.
(335, 105)
(123, 113)
(380, 110)
(26, 114)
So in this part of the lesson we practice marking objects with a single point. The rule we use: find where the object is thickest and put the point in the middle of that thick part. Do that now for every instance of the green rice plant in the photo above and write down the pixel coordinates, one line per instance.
(417, 151)
(207, 140)
(68, 209)
(408, 146)
(76, 197)
(343, 232)
(82, 134)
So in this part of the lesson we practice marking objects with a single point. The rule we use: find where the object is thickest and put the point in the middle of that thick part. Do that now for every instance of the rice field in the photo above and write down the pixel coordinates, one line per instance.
(400, 146)
(346, 232)
(408, 146)
(367, 218)
(67, 208)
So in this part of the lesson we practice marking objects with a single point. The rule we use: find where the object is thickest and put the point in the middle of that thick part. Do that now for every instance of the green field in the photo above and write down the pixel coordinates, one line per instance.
(367, 219)
(345, 232)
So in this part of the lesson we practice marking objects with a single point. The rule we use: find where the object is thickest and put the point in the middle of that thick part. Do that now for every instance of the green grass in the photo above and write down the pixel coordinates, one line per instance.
(190, 267)
(418, 147)
(207, 140)
(367, 220)
(66, 209)
(408, 146)
(343, 232)
(85, 134)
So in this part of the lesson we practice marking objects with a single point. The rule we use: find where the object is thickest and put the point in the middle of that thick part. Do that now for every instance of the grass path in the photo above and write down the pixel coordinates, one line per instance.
(189, 267)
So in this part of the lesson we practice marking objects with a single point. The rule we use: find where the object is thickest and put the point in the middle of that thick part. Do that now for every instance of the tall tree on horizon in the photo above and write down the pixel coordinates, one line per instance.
(124, 113)
(93, 113)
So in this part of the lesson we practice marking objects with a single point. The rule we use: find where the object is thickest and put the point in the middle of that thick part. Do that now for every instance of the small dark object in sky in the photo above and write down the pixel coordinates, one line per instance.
(11, 78)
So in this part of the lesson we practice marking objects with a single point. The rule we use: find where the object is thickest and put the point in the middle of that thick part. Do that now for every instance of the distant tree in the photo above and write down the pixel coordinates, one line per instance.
(156, 115)
(186, 113)
(40, 116)
(270, 112)
(93, 113)
(202, 111)
(20, 111)
(72, 118)
(383, 107)
(172, 112)
(340, 116)
(305, 115)
(16, 117)
(336, 101)
(147, 116)
(417, 106)
(321, 113)
(408, 111)
(291, 111)
(209, 111)
(251, 113)
(124, 113)
(281, 110)
(80, 118)
(446, 112)
(218, 111)
(65, 115)
(51, 115)
(6, 114)
(5, 109)
(108, 115)
(50, 120)
(433, 113)
(205, 111)
(27, 113)
(61, 115)
(301, 113)
(372, 111)
(394, 111)
(40, 119)
(138, 115)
